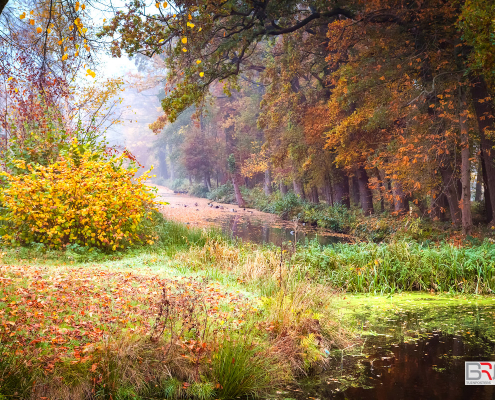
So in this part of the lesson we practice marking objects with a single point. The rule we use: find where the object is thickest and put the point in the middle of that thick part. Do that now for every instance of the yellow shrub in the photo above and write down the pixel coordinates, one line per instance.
(82, 198)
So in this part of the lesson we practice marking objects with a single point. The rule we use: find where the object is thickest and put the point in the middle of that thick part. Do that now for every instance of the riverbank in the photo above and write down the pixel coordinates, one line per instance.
(384, 225)
(115, 324)
(160, 322)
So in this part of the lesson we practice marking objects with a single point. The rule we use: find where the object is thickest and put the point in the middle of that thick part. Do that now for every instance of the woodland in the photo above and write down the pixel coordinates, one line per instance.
(373, 120)
(383, 106)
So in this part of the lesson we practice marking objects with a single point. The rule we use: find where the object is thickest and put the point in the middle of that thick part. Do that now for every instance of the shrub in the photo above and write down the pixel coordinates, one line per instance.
(223, 194)
(286, 207)
(198, 191)
(83, 198)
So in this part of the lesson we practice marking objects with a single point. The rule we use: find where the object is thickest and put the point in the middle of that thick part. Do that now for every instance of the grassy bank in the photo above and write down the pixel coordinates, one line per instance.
(158, 322)
(197, 315)
(403, 266)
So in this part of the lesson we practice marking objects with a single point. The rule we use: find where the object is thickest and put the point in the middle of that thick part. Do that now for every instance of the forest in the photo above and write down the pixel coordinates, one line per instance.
(385, 106)
(224, 199)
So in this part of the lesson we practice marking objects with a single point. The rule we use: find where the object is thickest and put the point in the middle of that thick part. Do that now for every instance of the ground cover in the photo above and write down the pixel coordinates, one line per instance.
(158, 324)
(170, 320)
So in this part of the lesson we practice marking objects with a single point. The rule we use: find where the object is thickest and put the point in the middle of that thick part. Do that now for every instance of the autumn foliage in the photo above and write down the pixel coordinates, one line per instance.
(83, 198)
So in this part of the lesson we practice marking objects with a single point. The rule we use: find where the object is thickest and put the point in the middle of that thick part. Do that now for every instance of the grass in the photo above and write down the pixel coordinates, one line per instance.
(199, 316)
(403, 266)
(132, 325)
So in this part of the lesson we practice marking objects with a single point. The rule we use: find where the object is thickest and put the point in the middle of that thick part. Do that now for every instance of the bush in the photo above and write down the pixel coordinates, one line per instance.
(83, 199)
(223, 194)
(286, 207)
(199, 191)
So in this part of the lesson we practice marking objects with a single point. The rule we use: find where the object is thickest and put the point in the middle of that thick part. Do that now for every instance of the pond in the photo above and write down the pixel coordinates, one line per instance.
(412, 348)
(254, 229)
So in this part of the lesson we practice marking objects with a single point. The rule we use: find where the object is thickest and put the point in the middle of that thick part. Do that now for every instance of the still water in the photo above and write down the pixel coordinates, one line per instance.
(254, 229)
(410, 351)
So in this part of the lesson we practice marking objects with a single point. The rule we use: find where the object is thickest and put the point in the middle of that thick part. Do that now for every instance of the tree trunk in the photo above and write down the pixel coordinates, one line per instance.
(208, 181)
(299, 189)
(381, 188)
(467, 221)
(483, 107)
(267, 184)
(450, 191)
(355, 191)
(488, 202)
(341, 189)
(438, 207)
(3, 3)
(238, 196)
(365, 193)
(479, 182)
(401, 202)
(162, 160)
(314, 195)
(327, 191)
(172, 171)
(283, 188)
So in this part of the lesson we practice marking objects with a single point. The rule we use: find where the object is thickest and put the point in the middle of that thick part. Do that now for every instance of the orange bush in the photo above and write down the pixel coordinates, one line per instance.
(82, 198)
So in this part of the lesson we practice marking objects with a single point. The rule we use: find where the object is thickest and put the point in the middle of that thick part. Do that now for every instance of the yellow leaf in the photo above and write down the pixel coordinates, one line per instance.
(161, 40)
(382, 78)
(184, 50)
(76, 54)
(201, 74)
(184, 40)
(157, 5)
(190, 24)
(22, 16)
(199, 30)
(48, 30)
(16, 90)
(165, 4)
(189, 16)
(39, 30)
(59, 42)
(64, 57)
(83, 6)
(91, 73)
(8, 80)
(31, 22)
(198, 62)
(175, 15)
(76, 6)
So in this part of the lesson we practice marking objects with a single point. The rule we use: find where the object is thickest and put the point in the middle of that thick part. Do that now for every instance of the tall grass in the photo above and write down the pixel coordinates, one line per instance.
(245, 368)
(402, 266)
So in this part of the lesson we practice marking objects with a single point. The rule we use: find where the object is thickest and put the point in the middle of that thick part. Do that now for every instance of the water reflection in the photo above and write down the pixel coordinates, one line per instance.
(411, 355)
(258, 231)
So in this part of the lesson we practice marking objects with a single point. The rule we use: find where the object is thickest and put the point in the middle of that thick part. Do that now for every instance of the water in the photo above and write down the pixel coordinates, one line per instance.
(411, 352)
(254, 229)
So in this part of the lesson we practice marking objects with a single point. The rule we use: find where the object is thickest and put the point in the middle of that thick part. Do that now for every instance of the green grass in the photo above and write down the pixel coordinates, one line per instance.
(278, 339)
(402, 266)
